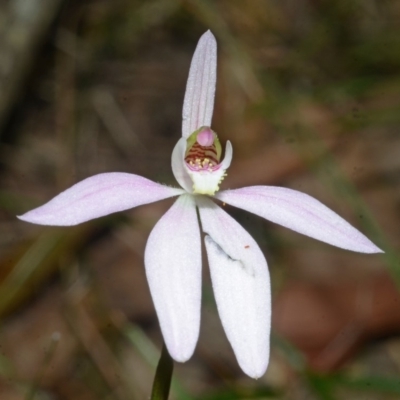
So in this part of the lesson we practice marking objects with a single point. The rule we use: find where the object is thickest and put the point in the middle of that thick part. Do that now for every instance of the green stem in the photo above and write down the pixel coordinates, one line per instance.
(162, 380)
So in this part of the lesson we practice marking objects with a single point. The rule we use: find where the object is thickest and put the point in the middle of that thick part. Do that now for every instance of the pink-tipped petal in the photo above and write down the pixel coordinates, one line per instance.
(98, 196)
(241, 286)
(301, 213)
(198, 105)
(173, 268)
(178, 166)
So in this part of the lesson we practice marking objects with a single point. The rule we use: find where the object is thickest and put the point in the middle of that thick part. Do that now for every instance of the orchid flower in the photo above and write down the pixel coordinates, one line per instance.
(239, 271)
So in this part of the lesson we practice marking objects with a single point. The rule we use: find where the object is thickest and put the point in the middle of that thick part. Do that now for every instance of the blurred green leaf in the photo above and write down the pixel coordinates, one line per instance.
(369, 383)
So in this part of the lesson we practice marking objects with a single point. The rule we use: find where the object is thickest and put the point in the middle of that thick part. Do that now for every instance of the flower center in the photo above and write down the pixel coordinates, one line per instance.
(204, 153)
(202, 158)
(203, 161)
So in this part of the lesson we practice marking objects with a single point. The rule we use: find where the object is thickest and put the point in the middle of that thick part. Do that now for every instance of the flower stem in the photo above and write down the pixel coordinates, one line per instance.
(162, 380)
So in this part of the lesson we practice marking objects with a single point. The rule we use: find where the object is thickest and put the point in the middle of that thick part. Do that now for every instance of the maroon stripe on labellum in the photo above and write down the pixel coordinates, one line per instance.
(198, 152)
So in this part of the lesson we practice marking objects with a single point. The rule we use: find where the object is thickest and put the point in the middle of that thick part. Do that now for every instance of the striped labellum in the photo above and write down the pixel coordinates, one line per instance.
(202, 160)
(203, 150)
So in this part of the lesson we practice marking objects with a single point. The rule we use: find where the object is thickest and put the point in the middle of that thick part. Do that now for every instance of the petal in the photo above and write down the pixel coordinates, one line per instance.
(198, 105)
(173, 268)
(226, 162)
(97, 196)
(241, 285)
(178, 166)
(300, 212)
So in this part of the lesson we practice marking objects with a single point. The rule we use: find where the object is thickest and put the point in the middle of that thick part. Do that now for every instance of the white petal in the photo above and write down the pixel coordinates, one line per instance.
(178, 166)
(98, 196)
(300, 212)
(198, 105)
(226, 162)
(241, 285)
(173, 268)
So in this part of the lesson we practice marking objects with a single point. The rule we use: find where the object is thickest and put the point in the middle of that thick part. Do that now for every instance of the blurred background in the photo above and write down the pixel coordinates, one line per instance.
(309, 94)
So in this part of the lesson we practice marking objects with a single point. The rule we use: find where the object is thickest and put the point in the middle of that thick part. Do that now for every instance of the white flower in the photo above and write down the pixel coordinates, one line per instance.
(238, 268)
